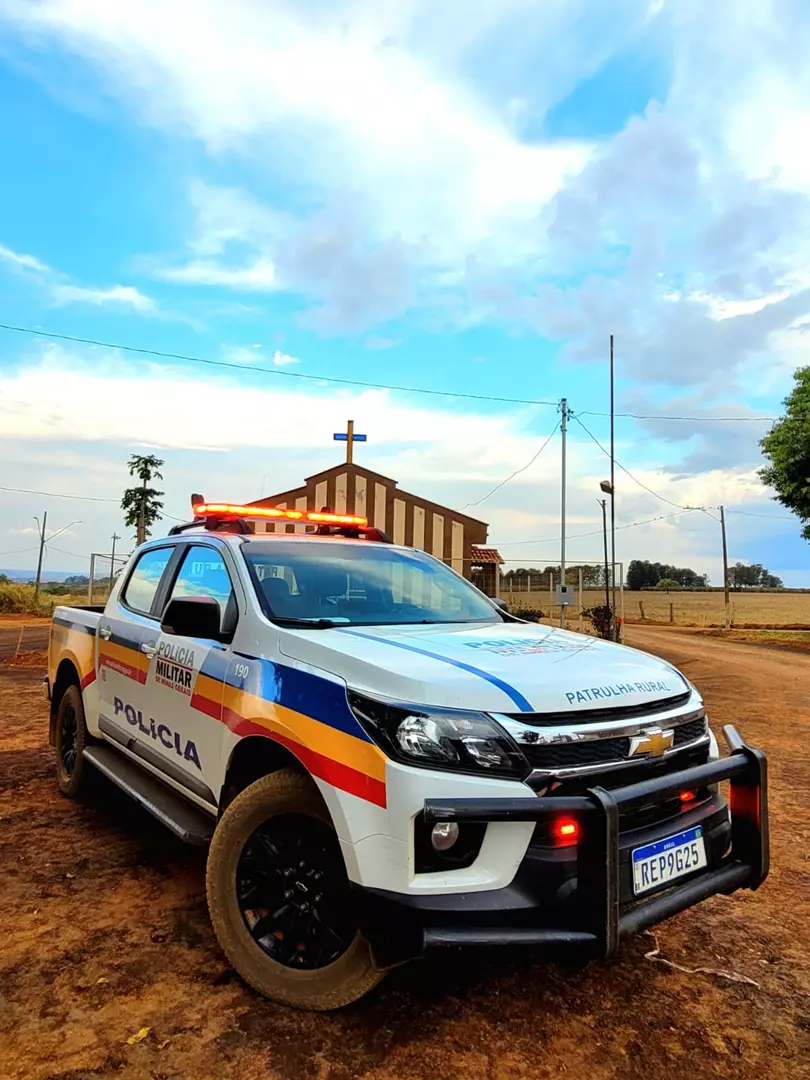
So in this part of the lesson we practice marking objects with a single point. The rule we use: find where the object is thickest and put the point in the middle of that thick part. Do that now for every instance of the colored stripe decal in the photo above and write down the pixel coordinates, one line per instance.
(136, 674)
(79, 627)
(510, 691)
(333, 772)
(88, 678)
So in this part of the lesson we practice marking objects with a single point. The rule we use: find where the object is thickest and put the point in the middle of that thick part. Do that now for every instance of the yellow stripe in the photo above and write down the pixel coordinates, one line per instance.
(79, 645)
(208, 687)
(131, 657)
(323, 739)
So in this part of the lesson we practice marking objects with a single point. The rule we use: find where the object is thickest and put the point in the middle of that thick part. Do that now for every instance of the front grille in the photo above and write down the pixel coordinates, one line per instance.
(631, 773)
(593, 716)
(598, 751)
(687, 733)
(573, 755)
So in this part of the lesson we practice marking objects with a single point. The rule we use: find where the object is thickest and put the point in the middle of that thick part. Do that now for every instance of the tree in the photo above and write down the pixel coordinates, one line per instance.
(142, 505)
(787, 446)
(755, 576)
(642, 574)
(666, 584)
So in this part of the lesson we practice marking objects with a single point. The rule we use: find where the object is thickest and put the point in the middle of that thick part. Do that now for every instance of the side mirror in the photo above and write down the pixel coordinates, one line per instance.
(192, 616)
(499, 603)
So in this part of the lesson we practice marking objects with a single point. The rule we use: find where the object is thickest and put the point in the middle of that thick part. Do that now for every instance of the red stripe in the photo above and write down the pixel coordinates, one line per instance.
(207, 706)
(89, 677)
(334, 772)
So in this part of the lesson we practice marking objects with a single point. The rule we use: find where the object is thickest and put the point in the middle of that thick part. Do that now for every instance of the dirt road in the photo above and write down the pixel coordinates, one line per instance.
(104, 932)
(27, 637)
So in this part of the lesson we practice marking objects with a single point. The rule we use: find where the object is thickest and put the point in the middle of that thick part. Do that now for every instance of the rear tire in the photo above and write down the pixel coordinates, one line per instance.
(71, 737)
(280, 899)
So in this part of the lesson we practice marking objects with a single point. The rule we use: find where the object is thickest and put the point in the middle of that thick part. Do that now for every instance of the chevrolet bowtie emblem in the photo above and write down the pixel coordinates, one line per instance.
(653, 742)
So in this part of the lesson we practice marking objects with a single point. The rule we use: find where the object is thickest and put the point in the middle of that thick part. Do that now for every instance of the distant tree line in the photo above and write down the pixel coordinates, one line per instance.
(643, 574)
(533, 578)
(754, 576)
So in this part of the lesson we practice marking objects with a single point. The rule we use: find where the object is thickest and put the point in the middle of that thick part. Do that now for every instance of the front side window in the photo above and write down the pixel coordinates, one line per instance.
(203, 573)
(144, 580)
(360, 584)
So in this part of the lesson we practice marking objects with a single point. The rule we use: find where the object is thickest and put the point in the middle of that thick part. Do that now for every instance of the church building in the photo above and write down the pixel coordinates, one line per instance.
(405, 518)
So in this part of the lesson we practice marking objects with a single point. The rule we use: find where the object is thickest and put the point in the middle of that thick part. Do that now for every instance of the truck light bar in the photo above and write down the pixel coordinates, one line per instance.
(202, 510)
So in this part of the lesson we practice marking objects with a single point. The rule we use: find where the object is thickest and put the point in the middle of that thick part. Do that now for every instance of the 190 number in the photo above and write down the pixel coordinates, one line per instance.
(242, 671)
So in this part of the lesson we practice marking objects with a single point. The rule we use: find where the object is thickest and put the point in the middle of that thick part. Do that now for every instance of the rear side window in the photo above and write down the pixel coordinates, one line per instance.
(144, 580)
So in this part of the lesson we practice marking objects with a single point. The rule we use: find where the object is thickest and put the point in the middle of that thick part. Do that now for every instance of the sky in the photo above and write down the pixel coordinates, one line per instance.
(466, 199)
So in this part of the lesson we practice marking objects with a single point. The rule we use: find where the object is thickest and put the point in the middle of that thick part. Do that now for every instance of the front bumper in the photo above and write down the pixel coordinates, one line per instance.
(585, 906)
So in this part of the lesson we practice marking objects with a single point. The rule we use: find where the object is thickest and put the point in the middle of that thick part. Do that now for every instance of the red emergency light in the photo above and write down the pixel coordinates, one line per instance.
(224, 510)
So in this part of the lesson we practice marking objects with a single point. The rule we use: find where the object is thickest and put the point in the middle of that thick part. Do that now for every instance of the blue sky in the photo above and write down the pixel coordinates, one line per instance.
(462, 198)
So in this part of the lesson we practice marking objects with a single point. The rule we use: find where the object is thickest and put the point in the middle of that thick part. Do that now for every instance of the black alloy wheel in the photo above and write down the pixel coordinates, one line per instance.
(294, 894)
(68, 738)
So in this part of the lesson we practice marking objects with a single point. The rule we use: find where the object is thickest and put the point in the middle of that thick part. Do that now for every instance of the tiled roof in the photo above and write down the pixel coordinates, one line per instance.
(486, 555)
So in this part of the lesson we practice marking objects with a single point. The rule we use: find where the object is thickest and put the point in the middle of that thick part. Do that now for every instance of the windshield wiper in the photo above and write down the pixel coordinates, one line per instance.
(308, 624)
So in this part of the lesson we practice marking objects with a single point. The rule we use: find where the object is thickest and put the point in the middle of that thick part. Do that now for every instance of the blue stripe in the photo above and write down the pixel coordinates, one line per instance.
(510, 691)
(317, 697)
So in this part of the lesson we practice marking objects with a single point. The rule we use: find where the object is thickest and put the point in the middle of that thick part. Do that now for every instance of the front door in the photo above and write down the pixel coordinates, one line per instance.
(185, 704)
(123, 641)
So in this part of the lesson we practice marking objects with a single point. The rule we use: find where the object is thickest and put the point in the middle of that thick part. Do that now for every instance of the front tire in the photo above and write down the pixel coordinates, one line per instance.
(280, 899)
(71, 737)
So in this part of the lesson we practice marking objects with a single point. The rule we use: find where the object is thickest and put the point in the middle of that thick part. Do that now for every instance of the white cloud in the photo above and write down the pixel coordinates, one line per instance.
(124, 295)
(377, 92)
(257, 276)
(24, 262)
(241, 354)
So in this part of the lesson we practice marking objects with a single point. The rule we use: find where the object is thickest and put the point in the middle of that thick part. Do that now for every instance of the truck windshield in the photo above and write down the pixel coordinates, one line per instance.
(360, 583)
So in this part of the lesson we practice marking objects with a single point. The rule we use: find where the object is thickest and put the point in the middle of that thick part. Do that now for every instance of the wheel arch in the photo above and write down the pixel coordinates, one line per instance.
(253, 757)
(67, 674)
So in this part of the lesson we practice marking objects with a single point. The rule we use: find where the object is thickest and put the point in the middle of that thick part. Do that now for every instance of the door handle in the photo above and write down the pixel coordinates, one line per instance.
(105, 632)
(150, 648)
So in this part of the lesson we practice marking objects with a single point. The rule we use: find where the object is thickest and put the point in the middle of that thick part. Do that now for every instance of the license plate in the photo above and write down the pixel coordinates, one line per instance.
(656, 864)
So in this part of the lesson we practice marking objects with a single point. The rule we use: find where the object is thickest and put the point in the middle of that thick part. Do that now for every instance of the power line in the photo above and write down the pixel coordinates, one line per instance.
(20, 551)
(598, 532)
(511, 476)
(54, 495)
(79, 498)
(627, 471)
(672, 416)
(190, 359)
(772, 517)
(272, 371)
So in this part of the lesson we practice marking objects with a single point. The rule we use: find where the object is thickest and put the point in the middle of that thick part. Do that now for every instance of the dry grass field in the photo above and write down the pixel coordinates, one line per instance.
(704, 609)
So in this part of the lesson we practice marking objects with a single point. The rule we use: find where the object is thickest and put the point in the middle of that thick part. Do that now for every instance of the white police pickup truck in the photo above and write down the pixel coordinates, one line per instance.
(384, 761)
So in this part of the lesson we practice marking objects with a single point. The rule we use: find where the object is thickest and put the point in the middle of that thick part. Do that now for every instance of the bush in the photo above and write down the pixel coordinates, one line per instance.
(530, 614)
(17, 599)
(601, 619)
(667, 584)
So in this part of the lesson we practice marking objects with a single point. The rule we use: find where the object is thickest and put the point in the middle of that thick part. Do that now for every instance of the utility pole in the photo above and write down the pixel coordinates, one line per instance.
(115, 537)
(41, 552)
(564, 432)
(725, 569)
(603, 504)
(613, 495)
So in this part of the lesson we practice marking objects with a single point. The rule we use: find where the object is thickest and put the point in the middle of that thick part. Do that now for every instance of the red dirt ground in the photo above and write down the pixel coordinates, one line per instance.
(104, 932)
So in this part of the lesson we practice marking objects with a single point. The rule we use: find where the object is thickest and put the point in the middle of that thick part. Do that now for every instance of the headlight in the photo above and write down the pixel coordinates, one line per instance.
(438, 738)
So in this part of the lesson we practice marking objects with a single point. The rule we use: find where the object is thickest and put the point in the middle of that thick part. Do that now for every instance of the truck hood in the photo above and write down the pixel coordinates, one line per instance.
(508, 667)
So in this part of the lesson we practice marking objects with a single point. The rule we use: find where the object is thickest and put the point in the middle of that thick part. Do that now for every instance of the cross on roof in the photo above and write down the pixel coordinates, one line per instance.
(350, 438)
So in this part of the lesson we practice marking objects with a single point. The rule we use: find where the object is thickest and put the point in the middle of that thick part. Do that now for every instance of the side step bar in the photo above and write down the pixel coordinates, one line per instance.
(186, 821)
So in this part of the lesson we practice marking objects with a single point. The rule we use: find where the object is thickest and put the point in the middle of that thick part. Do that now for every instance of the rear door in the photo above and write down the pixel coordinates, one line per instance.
(125, 632)
(184, 688)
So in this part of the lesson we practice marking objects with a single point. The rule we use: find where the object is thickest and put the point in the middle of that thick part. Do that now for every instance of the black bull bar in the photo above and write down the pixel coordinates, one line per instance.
(604, 923)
